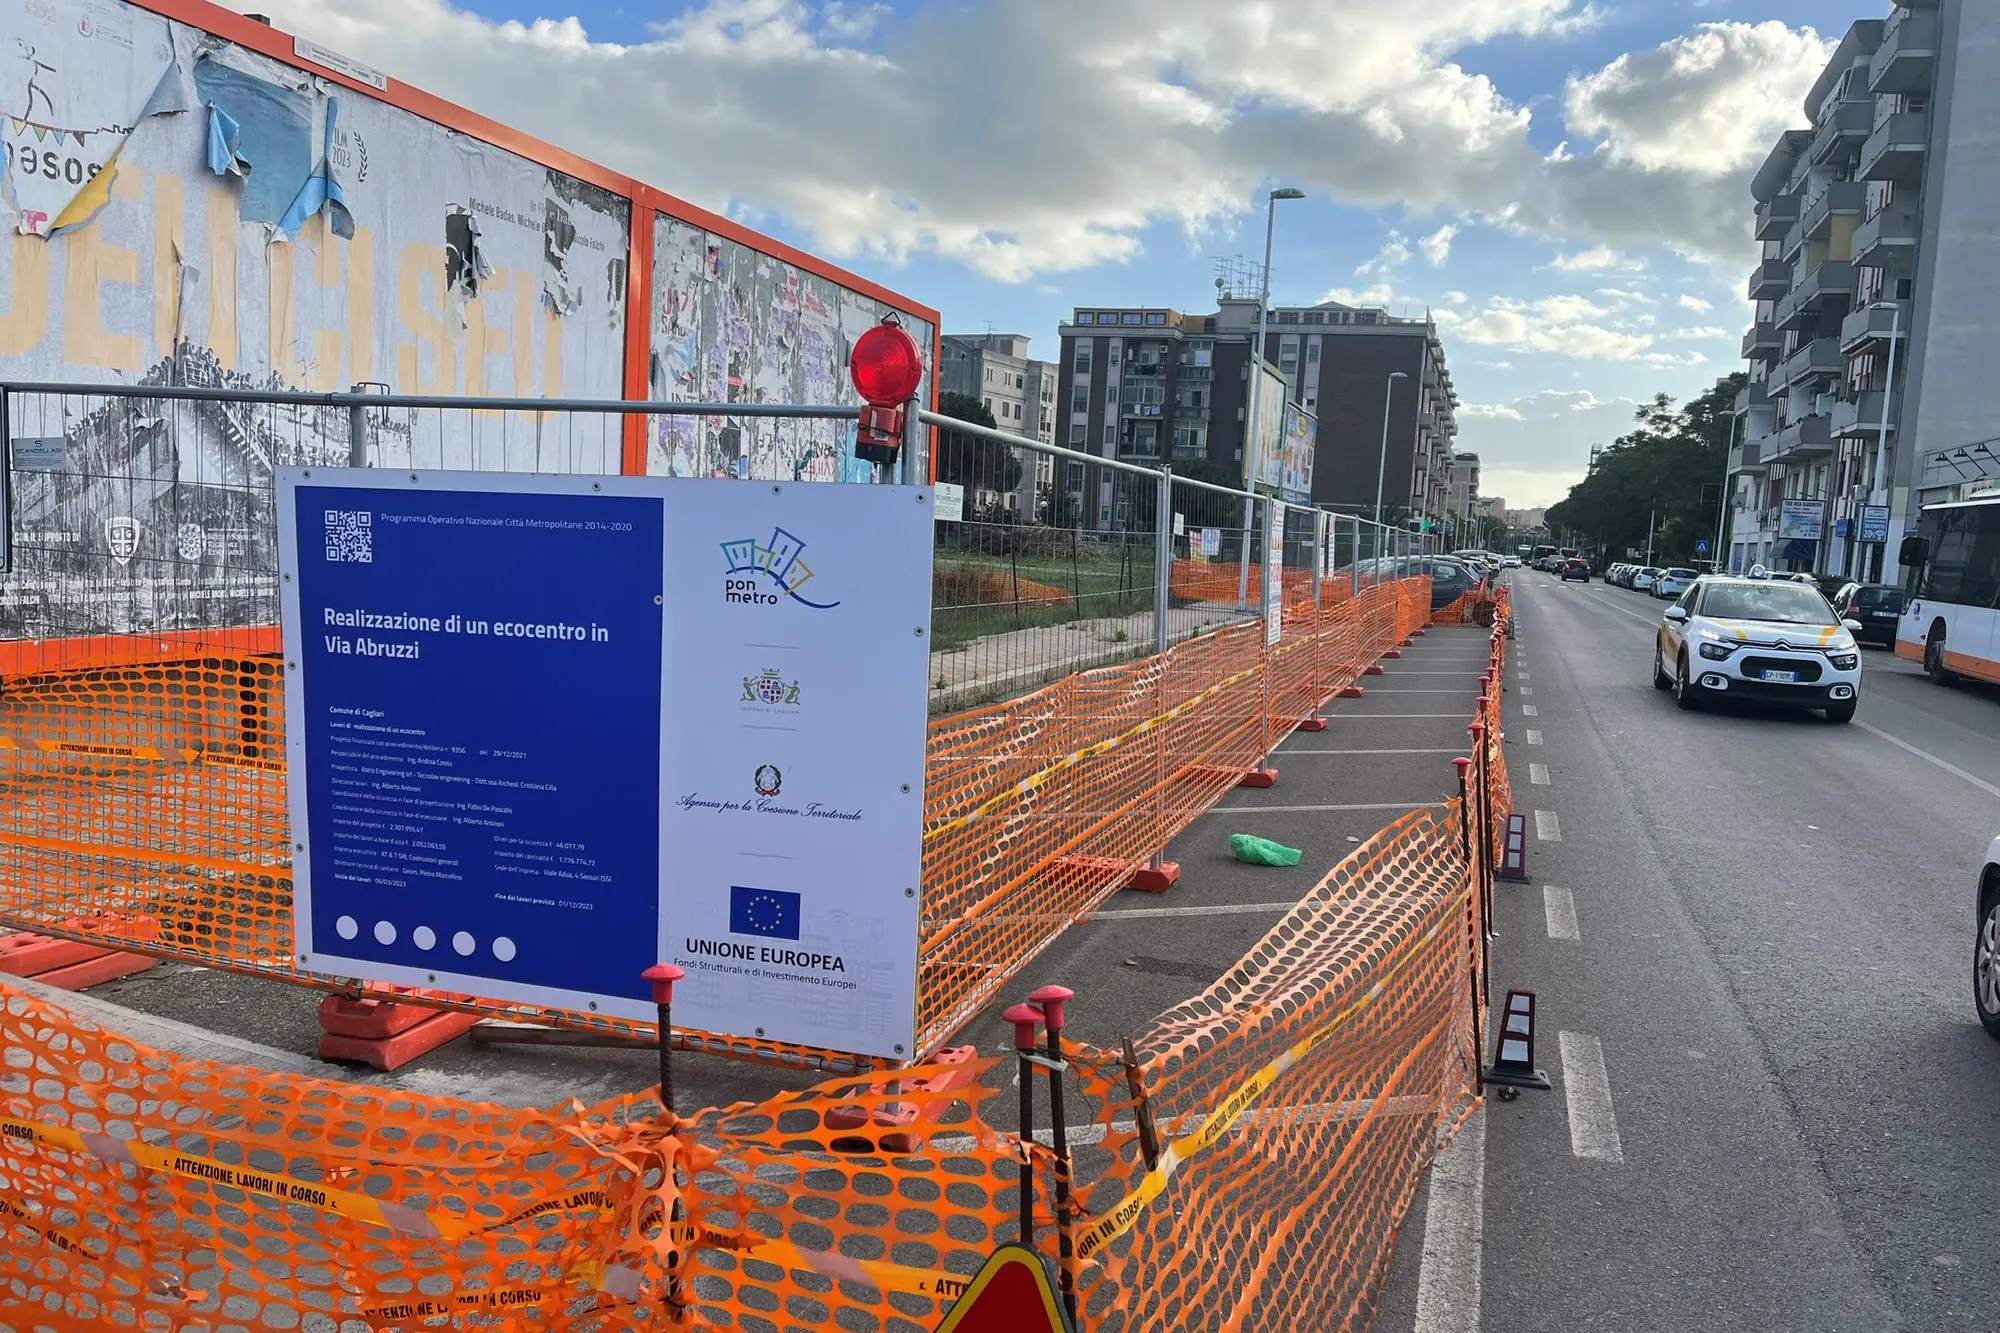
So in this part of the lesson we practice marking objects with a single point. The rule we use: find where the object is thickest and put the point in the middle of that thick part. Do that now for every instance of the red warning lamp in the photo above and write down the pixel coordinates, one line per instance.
(886, 368)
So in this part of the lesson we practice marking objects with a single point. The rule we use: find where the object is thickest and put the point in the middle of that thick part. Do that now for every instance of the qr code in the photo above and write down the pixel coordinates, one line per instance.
(350, 537)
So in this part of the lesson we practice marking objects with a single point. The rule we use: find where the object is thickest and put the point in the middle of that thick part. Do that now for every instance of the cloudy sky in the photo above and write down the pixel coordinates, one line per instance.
(1563, 182)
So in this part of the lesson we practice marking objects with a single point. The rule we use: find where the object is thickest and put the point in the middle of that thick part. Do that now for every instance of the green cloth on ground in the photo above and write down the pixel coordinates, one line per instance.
(1262, 851)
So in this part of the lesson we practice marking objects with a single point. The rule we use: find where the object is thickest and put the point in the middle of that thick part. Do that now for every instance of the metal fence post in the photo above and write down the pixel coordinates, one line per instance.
(357, 431)
(1163, 559)
(908, 461)
(6, 484)
(1319, 552)
(1270, 587)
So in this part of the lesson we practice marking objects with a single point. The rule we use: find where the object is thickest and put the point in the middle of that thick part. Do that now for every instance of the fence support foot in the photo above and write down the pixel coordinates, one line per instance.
(1352, 692)
(1311, 724)
(1156, 879)
(1259, 777)
(384, 1034)
(1376, 668)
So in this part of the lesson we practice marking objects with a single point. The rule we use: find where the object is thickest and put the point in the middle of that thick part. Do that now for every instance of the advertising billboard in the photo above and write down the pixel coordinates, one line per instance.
(236, 210)
(1270, 435)
(742, 796)
(1294, 481)
(1802, 520)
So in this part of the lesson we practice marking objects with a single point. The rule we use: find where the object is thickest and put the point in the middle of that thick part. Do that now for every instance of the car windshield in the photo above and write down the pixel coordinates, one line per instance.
(1880, 599)
(1784, 603)
(1682, 574)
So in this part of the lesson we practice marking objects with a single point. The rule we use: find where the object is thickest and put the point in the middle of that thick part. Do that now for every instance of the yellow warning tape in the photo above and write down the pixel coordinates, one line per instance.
(344, 1203)
(1188, 1146)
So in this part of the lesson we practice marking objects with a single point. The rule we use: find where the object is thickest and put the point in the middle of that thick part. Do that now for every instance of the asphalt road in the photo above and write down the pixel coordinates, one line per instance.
(1773, 1107)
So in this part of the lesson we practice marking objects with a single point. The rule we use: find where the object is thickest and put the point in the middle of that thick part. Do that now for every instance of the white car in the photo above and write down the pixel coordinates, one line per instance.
(1986, 946)
(1644, 579)
(1758, 639)
(1674, 582)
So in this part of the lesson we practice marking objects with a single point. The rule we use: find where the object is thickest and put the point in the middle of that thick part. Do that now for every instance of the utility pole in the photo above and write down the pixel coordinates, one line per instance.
(1651, 519)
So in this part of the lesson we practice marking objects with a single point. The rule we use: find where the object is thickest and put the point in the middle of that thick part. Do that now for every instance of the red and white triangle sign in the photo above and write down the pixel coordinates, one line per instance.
(1014, 1293)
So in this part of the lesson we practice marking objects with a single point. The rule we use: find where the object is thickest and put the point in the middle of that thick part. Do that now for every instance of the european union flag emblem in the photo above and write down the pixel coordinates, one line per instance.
(772, 913)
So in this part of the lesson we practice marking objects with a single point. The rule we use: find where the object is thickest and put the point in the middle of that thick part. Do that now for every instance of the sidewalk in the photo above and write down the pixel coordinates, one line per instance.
(1006, 666)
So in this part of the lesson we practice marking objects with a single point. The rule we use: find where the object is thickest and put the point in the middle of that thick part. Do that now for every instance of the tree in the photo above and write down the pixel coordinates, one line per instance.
(1056, 506)
(1666, 470)
(974, 461)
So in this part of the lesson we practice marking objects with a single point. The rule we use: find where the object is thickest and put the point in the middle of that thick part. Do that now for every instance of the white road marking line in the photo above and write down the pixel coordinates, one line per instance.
(1559, 905)
(1529, 710)
(1421, 689)
(1622, 610)
(1454, 1235)
(1526, 693)
(1534, 737)
(1370, 717)
(1593, 1125)
(1930, 758)
(1538, 774)
(1469, 675)
(1547, 827)
(1319, 809)
(1520, 675)
(1224, 909)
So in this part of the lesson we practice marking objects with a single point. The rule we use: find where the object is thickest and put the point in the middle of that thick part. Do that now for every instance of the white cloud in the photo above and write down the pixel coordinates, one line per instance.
(1437, 245)
(1709, 103)
(1597, 259)
(1564, 325)
(1700, 334)
(1695, 303)
(763, 108)
(1533, 449)
(1378, 294)
(1395, 253)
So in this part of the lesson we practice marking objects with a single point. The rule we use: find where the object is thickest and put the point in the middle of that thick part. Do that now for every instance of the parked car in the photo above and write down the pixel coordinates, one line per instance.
(1510, 562)
(1986, 943)
(1673, 582)
(1644, 579)
(1878, 606)
(1577, 568)
(1758, 639)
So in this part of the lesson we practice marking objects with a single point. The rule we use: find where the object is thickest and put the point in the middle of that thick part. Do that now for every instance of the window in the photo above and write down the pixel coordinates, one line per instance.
(1288, 316)
(1110, 433)
(1082, 363)
(1085, 317)
(988, 402)
(1131, 317)
(1079, 399)
(1079, 435)
(1156, 318)
(1073, 476)
(989, 379)
(1312, 352)
(1315, 317)
(1020, 382)
(1111, 395)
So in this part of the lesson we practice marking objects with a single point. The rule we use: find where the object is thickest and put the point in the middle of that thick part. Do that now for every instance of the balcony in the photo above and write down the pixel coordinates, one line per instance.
(1770, 280)
(1831, 282)
(1873, 323)
(1896, 150)
(1776, 218)
(1842, 198)
(1762, 341)
(1842, 129)
(1862, 418)
(1888, 238)
(1906, 62)
(1821, 356)
(1746, 457)
(1803, 438)
(1752, 395)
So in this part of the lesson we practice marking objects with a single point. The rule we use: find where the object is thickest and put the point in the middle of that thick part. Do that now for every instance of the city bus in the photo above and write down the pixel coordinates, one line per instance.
(1953, 562)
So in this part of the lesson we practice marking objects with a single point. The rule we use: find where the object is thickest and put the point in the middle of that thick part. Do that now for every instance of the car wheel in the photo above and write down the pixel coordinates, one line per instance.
(1685, 689)
(1986, 965)
(1661, 680)
(1842, 712)
(1934, 657)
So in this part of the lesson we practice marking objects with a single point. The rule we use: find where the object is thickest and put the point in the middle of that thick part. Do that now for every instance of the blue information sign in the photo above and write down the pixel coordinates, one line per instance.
(1701, 546)
(474, 707)
(1874, 523)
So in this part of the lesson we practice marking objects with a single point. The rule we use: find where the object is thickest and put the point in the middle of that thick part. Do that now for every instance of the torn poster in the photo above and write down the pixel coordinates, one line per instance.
(273, 134)
(321, 190)
(74, 81)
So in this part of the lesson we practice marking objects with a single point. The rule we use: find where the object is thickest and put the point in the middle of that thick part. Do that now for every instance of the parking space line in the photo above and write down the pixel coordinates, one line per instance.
(1538, 774)
(1534, 737)
(1320, 809)
(1455, 749)
(1370, 717)
(1222, 909)
(1559, 905)
(1529, 710)
(1421, 689)
(1547, 827)
(1593, 1124)
(1454, 1232)
(1932, 759)
(1526, 693)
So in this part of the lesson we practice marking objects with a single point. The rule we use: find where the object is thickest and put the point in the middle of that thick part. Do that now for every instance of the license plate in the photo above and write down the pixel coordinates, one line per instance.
(1782, 677)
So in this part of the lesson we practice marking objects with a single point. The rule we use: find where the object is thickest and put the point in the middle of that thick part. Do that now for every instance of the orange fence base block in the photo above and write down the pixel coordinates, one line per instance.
(65, 964)
(1145, 879)
(369, 1020)
(1373, 669)
(1416, 633)
(956, 1072)
(1156, 879)
(1355, 691)
(1393, 652)
(1311, 724)
(1259, 778)
(387, 1053)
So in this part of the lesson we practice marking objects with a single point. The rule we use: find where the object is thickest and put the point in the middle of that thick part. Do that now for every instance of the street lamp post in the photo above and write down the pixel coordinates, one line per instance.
(1382, 467)
(1256, 392)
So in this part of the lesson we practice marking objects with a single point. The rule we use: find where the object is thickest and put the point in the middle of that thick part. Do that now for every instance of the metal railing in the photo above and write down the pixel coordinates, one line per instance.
(146, 515)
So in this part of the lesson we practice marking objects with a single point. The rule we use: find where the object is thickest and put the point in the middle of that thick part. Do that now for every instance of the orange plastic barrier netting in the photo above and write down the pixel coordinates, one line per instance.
(142, 804)
(1300, 1097)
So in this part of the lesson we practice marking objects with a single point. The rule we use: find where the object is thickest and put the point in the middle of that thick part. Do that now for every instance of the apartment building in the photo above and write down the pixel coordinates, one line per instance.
(1871, 353)
(1019, 391)
(1157, 385)
(1463, 506)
